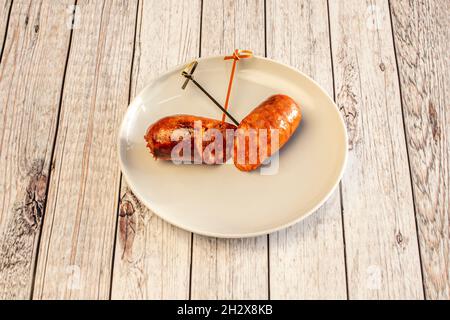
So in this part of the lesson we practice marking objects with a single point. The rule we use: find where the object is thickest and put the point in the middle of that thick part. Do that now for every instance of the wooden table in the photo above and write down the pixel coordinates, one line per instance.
(71, 228)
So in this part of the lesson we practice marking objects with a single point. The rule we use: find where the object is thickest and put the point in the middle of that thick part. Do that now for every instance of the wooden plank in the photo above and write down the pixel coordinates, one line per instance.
(380, 234)
(153, 257)
(422, 34)
(5, 10)
(238, 268)
(307, 260)
(31, 77)
(76, 249)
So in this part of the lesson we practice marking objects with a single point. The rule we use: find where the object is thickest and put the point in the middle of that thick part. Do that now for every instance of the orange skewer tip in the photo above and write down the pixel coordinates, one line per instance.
(236, 56)
(239, 54)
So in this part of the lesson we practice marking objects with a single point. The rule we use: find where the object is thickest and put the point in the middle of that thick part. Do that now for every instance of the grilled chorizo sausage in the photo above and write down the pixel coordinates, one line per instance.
(278, 112)
(169, 132)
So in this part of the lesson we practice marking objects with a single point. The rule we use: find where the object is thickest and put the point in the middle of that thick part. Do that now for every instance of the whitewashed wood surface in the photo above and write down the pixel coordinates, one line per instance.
(70, 228)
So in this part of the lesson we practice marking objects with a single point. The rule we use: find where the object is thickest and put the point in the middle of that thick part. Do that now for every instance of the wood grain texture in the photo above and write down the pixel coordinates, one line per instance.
(152, 258)
(75, 257)
(5, 8)
(422, 35)
(380, 234)
(31, 77)
(83, 200)
(307, 260)
(225, 268)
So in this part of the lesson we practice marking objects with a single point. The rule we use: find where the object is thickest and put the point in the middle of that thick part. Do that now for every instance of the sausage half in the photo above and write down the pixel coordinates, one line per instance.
(251, 145)
(192, 137)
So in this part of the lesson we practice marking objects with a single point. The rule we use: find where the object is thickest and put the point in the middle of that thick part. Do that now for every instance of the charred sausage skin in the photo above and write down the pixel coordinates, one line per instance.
(159, 135)
(277, 112)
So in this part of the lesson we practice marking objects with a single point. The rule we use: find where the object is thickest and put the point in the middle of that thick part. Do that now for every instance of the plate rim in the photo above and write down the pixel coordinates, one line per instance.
(233, 235)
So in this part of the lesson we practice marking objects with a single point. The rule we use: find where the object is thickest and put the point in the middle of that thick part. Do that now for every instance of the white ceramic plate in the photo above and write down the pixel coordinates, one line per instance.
(220, 200)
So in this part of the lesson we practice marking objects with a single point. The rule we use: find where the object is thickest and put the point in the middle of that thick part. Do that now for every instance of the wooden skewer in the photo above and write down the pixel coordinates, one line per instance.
(190, 68)
(236, 56)
(187, 73)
